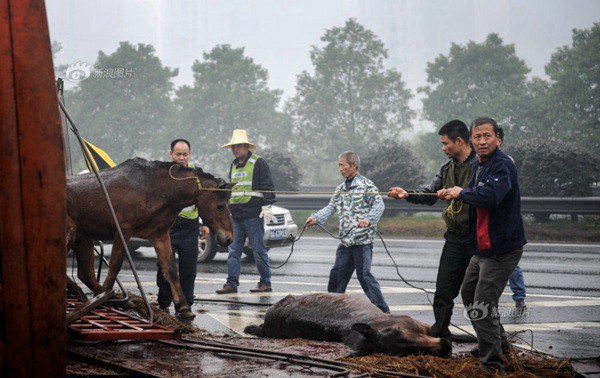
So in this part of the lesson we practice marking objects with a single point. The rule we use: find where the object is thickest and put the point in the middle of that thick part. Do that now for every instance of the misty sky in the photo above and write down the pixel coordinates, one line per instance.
(278, 34)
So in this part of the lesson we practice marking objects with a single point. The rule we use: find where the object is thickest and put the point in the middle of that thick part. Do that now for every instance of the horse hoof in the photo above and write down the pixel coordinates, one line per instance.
(186, 314)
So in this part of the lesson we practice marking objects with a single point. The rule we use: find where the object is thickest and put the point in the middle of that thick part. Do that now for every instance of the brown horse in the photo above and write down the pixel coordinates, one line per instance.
(147, 201)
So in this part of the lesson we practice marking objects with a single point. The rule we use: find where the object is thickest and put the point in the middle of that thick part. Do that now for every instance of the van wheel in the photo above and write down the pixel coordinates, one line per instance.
(207, 248)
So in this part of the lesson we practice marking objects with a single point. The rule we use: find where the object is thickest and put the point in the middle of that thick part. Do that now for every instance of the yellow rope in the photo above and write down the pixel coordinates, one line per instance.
(450, 210)
(312, 192)
(187, 178)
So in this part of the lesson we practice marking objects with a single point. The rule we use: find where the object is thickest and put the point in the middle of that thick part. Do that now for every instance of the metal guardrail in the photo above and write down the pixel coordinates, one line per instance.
(529, 205)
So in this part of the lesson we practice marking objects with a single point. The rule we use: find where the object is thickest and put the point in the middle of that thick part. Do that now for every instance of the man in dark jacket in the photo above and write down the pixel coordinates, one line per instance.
(250, 209)
(184, 240)
(456, 254)
(497, 234)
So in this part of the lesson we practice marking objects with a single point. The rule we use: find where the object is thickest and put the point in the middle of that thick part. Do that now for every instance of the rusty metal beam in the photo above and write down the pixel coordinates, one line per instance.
(32, 198)
(106, 324)
(86, 307)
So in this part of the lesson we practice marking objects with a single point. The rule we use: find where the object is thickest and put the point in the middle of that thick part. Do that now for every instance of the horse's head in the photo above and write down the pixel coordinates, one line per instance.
(213, 207)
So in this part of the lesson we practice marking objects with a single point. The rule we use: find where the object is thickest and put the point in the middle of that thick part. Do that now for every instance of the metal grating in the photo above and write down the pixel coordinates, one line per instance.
(105, 323)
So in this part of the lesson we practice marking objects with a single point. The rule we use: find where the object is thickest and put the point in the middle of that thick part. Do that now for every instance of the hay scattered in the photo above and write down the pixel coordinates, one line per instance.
(517, 365)
(163, 318)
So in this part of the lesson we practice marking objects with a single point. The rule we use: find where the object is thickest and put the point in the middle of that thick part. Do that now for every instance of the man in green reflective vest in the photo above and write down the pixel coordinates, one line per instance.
(250, 209)
(184, 240)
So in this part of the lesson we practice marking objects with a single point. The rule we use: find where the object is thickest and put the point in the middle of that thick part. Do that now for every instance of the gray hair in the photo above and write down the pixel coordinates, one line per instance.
(351, 157)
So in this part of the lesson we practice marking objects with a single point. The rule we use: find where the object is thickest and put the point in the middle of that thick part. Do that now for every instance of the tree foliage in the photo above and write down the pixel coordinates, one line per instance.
(230, 92)
(350, 102)
(428, 149)
(284, 170)
(574, 93)
(392, 164)
(123, 114)
(478, 79)
(554, 168)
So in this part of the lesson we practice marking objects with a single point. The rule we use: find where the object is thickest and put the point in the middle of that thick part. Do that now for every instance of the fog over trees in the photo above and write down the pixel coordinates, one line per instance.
(374, 77)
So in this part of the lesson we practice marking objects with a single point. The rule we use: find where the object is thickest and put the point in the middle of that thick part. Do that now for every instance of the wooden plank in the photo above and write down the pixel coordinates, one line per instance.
(32, 196)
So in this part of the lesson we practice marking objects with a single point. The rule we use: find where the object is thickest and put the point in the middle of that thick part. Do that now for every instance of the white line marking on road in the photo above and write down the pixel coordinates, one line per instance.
(540, 326)
(530, 305)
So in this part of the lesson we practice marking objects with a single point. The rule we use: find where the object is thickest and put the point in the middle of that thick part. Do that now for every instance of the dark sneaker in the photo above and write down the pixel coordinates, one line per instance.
(227, 289)
(261, 288)
(520, 304)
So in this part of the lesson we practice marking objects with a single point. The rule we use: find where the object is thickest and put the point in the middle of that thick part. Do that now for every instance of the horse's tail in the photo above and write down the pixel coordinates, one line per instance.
(463, 338)
(256, 330)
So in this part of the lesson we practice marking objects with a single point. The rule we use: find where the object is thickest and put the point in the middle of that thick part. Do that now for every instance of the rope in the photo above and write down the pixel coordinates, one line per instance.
(188, 178)
(306, 192)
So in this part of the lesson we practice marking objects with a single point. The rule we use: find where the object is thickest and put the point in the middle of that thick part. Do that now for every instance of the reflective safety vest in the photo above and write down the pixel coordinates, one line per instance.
(242, 191)
(190, 212)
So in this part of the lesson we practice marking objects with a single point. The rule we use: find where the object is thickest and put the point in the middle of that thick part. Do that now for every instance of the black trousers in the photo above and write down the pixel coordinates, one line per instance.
(184, 242)
(451, 272)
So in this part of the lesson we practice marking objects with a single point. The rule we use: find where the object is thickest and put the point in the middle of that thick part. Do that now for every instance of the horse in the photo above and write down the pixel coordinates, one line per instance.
(147, 196)
(353, 320)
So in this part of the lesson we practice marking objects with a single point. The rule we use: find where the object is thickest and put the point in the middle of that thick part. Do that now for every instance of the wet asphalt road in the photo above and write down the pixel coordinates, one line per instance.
(563, 289)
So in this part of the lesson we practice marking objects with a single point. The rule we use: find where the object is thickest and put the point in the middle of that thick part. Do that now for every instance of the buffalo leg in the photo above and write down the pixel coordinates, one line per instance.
(162, 245)
(84, 252)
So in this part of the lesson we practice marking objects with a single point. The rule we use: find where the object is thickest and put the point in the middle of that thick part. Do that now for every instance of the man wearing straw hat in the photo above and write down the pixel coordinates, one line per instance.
(250, 208)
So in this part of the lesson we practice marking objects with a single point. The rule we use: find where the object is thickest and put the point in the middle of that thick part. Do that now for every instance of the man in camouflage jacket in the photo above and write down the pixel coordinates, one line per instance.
(359, 207)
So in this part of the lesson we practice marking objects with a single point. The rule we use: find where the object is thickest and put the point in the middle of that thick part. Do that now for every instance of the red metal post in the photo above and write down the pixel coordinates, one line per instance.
(32, 198)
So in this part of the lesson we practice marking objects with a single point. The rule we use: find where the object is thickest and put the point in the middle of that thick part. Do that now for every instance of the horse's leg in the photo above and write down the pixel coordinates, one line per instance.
(114, 263)
(84, 252)
(162, 245)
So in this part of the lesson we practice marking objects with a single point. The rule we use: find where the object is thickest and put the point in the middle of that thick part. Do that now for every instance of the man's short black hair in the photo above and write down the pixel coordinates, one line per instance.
(454, 129)
(501, 133)
(485, 121)
(173, 143)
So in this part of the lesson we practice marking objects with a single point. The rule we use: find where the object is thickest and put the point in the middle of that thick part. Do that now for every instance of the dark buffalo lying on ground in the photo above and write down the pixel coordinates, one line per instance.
(147, 197)
(353, 320)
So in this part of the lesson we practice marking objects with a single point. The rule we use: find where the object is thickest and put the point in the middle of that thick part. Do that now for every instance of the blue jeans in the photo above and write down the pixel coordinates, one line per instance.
(517, 284)
(253, 229)
(358, 257)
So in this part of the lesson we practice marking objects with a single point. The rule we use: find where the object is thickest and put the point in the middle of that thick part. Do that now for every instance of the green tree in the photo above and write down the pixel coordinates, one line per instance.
(543, 172)
(284, 169)
(125, 102)
(350, 102)
(428, 149)
(393, 164)
(230, 92)
(478, 79)
(574, 95)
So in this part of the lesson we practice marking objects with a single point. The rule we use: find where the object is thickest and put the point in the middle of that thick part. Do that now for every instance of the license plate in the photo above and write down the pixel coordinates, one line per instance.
(278, 234)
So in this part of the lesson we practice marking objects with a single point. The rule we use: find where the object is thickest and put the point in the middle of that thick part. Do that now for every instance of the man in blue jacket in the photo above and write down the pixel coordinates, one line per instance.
(498, 237)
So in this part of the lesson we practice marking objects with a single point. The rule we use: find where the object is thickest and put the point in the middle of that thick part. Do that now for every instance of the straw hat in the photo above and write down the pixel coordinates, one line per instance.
(239, 136)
